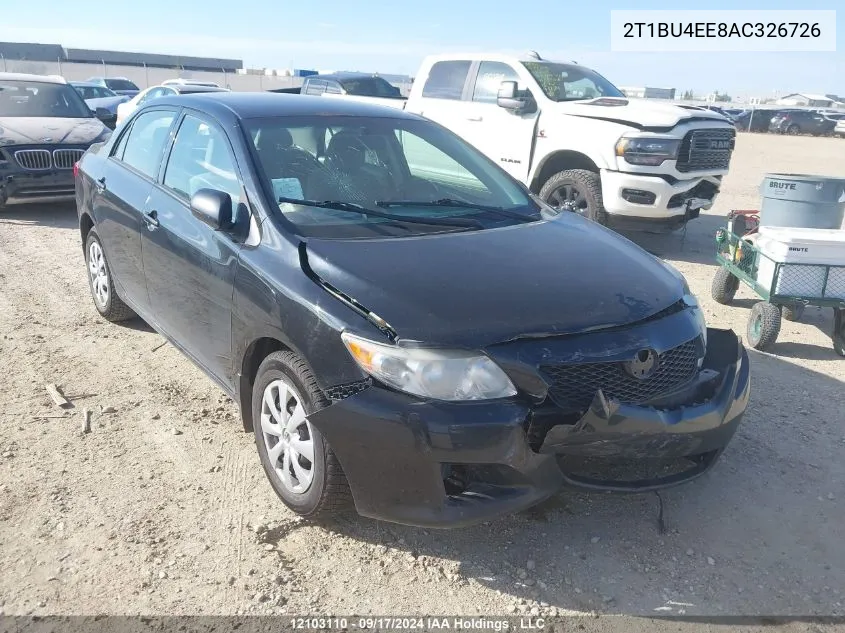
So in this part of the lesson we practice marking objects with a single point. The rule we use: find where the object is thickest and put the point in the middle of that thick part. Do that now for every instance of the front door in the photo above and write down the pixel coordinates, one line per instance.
(503, 136)
(190, 268)
(121, 198)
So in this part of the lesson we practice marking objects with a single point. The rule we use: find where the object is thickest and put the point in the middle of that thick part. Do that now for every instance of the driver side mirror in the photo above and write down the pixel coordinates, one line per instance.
(104, 115)
(507, 98)
(212, 207)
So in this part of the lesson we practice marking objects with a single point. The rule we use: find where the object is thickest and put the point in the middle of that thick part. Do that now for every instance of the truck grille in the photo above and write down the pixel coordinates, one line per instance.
(65, 158)
(573, 386)
(34, 158)
(706, 150)
(44, 159)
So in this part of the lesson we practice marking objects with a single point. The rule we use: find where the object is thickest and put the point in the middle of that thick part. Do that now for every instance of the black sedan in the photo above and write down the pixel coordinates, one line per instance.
(405, 328)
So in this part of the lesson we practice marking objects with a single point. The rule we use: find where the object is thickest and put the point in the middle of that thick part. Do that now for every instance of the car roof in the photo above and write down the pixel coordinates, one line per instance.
(189, 88)
(343, 75)
(86, 84)
(253, 105)
(48, 79)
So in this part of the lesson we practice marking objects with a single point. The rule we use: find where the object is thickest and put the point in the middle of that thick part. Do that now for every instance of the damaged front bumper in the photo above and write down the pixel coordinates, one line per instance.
(438, 464)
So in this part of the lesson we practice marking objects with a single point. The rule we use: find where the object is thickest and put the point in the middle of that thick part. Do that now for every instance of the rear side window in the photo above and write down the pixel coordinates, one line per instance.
(146, 140)
(200, 159)
(490, 77)
(315, 87)
(446, 80)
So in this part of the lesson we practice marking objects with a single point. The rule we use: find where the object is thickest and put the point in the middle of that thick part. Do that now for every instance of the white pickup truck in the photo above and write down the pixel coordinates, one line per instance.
(574, 139)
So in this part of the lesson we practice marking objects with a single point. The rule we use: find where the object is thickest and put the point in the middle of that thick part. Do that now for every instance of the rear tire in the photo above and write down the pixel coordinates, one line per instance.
(101, 283)
(793, 130)
(724, 286)
(301, 467)
(577, 191)
(763, 325)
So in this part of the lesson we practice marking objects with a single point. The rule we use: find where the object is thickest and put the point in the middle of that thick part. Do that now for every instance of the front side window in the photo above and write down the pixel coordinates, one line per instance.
(200, 159)
(490, 77)
(146, 140)
(570, 82)
(407, 168)
(446, 80)
(41, 99)
(315, 87)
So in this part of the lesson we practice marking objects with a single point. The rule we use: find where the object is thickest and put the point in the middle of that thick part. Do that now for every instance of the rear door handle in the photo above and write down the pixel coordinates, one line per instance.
(475, 118)
(151, 218)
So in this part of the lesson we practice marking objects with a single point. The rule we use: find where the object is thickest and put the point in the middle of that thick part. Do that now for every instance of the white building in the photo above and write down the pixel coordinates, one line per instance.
(811, 100)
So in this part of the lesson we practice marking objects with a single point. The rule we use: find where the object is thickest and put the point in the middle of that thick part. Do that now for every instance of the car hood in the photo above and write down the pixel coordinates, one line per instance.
(473, 289)
(49, 130)
(637, 112)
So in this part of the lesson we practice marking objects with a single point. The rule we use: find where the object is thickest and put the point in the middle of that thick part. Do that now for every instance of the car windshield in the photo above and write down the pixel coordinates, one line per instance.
(399, 169)
(570, 82)
(94, 92)
(369, 87)
(41, 99)
(120, 84)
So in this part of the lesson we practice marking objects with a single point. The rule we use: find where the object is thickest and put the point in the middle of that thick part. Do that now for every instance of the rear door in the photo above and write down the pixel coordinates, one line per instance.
(443, 98)
(190, 268)
(121, 199)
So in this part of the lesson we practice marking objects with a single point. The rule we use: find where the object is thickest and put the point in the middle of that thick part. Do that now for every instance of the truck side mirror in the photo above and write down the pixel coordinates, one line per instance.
(507, 98)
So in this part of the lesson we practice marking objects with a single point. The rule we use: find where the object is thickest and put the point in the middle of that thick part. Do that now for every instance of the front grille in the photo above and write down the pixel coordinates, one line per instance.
(573, 386)
(34, 158)
(706, 150)
(65, 158)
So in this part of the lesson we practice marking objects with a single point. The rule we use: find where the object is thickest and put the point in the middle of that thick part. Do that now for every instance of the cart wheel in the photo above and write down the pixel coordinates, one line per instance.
(763, 325)
(724, 286)
(792, 312)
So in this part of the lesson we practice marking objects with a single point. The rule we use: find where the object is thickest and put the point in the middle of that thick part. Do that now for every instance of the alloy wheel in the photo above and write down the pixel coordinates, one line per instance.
(99, 274)
(569, 198)
(288, 437)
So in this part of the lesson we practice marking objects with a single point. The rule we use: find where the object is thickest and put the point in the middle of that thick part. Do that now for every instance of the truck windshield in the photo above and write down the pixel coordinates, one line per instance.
(570, 82)
(369, 87)
(120, 84)
(325, 172)
(41, 99)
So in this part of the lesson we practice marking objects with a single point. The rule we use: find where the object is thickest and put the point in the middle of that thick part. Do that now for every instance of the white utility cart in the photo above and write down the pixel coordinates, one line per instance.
(789, 267)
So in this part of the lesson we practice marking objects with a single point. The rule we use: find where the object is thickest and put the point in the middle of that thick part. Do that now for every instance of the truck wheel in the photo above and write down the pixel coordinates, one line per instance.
(297, 460)
(792, 312)
(577, 191)
(724, 286)
(763, 325)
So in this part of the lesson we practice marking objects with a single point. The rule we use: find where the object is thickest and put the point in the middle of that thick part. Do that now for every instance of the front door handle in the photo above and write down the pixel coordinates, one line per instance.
(100, 184)
(475, 118)
(151, 218)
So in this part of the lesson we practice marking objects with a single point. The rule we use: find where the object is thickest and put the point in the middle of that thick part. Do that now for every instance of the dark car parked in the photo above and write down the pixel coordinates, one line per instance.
(802, 122)
(404, 326)
(45, 127)
(756, 120)
(118, 85)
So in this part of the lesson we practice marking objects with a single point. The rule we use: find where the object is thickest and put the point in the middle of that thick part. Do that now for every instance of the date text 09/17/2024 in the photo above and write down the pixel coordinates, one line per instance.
(385, 623)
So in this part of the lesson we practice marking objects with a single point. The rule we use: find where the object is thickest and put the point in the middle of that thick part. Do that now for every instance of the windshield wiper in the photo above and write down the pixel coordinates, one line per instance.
(452, 202)
(362, 210)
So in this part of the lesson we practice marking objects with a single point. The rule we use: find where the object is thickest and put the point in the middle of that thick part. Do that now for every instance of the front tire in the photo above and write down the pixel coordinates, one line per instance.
(724, 286)
(763, 325)
(577, 191)
(101, 283)
(301, 467)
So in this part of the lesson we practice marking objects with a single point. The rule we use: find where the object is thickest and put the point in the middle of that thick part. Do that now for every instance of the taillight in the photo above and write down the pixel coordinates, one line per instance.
(76, 169)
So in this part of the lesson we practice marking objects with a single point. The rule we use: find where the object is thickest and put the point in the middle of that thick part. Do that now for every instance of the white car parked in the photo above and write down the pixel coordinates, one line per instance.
(124, 110)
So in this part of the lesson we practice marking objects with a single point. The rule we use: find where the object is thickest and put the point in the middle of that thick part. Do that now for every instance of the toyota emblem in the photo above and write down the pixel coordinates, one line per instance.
(644, 365)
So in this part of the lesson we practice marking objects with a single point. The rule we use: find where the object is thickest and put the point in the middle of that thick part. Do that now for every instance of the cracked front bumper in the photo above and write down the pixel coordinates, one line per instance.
(439, 464)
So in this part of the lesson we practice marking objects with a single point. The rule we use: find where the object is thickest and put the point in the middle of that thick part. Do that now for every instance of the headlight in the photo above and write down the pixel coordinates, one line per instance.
(645, 150)
(431, 373)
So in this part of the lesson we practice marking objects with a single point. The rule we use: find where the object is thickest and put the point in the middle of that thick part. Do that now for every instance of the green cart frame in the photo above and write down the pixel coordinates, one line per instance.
(740, 260)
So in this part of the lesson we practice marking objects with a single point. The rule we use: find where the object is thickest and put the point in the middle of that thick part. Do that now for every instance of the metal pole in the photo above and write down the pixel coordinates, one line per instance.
(750, 118)
(4, 61)
(105, 73)
(146, 75)
(59, 59)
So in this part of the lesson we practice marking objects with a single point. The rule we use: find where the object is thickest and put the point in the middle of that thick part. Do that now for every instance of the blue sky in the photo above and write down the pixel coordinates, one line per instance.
(394, 36)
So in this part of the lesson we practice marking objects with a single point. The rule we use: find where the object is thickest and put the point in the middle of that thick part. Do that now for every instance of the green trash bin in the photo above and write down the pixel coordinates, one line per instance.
(801, 201)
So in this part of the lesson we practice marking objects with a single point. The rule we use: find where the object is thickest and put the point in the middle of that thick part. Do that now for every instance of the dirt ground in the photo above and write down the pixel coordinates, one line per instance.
(163, 507)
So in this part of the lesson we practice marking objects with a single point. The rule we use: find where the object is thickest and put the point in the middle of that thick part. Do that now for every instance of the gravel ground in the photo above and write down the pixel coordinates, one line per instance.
(162, 508)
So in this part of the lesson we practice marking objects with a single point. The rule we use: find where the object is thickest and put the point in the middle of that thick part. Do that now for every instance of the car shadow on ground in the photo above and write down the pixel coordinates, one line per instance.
(695, 244)
(56, 214)
(767, 505)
